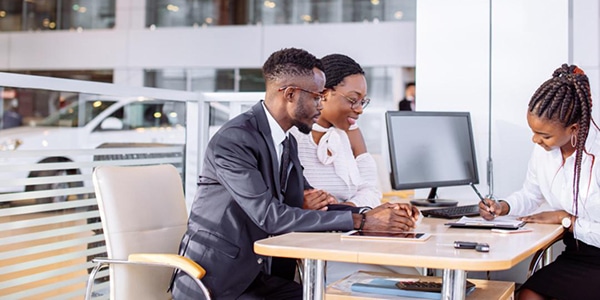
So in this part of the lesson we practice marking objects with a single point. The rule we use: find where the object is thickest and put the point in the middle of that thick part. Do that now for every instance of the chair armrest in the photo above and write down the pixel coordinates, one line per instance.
(173, 260)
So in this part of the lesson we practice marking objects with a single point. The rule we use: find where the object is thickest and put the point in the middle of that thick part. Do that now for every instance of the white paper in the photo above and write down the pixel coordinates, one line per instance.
(501, 220)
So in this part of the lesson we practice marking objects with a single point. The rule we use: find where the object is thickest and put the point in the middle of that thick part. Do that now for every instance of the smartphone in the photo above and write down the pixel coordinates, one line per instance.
(464, 245)
(387, 235)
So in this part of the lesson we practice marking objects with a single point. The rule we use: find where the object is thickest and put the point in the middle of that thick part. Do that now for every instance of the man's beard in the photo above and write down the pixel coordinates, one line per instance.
(300, 113)
(302, 127)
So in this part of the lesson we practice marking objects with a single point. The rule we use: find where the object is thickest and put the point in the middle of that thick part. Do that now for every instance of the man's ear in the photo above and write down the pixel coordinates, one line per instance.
(288, 94)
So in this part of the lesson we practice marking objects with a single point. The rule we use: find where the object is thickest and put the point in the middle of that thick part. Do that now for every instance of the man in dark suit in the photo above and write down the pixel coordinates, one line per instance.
(240, 198)
(409, 101)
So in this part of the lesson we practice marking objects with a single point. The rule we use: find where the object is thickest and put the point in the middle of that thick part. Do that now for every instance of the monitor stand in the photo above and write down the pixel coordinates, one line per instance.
(431, 201)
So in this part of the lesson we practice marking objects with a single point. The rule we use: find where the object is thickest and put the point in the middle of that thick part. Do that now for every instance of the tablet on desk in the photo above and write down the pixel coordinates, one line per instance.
(503, 222)
(386, 235)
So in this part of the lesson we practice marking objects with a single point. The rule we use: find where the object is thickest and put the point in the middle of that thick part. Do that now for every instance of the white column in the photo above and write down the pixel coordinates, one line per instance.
(529, 40)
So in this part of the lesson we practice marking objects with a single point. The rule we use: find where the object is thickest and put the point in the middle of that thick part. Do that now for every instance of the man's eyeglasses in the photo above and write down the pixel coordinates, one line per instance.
(318, 97)
(356, 103)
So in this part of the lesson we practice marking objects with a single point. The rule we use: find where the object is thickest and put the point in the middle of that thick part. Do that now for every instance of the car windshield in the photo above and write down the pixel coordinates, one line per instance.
(69, 116)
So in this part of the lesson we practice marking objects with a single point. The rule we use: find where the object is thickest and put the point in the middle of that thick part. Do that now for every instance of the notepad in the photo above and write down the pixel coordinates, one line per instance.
(502, 222)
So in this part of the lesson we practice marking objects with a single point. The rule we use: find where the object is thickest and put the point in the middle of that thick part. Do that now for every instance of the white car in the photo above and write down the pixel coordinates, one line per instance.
(98, 121)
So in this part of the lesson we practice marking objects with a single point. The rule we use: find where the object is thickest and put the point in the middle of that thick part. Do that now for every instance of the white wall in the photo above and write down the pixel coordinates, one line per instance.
(452, 69)
(455, 63)
(528, 44)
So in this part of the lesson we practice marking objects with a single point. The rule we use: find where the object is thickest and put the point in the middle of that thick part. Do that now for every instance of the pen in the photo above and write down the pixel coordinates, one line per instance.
(481, 198)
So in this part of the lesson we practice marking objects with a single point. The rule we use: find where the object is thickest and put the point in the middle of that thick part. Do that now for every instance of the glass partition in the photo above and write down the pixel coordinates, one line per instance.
(49, 223)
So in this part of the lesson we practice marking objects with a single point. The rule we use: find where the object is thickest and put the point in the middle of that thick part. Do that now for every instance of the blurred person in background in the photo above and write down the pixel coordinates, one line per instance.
(11, 117)
(409, 101)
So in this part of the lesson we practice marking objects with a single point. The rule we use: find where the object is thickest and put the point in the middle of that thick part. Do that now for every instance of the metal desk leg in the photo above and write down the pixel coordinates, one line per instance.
(454, 284)
(313, 281)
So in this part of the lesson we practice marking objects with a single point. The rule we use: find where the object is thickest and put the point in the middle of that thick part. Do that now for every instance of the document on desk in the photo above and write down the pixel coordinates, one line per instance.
(503, 222)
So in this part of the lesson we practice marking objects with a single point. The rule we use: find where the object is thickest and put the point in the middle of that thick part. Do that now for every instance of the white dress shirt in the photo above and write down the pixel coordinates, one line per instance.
(548, 180)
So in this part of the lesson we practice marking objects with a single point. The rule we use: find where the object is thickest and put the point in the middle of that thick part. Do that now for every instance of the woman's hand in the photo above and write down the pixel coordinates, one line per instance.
(490, 209)
(317, 199)
(546, 217)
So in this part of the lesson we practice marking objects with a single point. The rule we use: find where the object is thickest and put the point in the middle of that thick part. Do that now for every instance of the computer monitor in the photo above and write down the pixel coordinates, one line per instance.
(431, 150)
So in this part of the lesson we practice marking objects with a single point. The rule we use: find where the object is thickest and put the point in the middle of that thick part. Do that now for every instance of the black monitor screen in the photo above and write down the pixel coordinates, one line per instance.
(431, 149)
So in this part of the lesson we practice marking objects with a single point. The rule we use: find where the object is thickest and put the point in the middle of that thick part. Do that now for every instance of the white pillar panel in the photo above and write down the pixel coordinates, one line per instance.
(528, 44)
(129, 76)
(452, 69)
(4, 51)
(586, 44)
(130, 14)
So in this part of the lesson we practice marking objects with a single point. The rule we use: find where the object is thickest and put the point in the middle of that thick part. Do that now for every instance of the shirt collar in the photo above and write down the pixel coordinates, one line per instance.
(277, 133)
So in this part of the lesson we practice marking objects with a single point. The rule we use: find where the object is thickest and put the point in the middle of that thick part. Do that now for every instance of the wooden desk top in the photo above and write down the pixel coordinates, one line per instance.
(506, 250)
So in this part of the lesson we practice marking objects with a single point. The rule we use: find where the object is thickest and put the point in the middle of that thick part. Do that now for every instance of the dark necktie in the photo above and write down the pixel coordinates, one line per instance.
(285, 162)
(284, 267)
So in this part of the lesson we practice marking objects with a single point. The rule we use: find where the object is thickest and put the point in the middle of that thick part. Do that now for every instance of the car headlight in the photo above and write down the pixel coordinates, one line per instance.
(9, 145)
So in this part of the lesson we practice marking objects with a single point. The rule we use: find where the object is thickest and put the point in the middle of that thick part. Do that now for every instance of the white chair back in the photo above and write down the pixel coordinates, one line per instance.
(142, 210)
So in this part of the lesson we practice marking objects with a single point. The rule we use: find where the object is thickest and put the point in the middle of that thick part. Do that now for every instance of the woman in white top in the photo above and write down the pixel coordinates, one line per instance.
(563, 173)
(326, 153)
(334, 154)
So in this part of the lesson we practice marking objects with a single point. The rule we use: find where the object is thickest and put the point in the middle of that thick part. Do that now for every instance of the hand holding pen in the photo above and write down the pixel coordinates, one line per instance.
(485, 207)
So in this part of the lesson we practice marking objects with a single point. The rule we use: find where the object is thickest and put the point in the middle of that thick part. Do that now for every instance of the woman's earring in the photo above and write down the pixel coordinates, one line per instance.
(573, 140)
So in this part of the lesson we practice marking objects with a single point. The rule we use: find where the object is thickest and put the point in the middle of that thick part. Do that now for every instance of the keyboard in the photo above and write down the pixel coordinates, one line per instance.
(452, 212)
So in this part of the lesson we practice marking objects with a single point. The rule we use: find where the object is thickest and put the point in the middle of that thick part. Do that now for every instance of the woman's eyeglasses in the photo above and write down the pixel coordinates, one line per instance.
(356, 103)
(318, 97)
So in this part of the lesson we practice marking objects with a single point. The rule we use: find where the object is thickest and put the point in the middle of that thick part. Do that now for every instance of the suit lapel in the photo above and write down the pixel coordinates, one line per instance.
(264, 129)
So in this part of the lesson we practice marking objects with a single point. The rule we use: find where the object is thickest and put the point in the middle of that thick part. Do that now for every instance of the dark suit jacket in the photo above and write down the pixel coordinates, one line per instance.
(404, 105)
(239, 201)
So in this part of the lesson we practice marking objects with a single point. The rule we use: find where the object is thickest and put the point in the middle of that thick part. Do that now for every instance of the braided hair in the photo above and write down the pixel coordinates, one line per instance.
(290, 62)
(337, 67)
(566, 98)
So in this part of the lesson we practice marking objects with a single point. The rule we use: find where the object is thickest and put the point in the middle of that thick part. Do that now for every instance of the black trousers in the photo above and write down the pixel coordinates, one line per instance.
(269, 287)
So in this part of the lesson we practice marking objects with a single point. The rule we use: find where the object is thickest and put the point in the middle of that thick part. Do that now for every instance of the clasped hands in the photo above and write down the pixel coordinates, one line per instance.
(385, 217)
(392, 217)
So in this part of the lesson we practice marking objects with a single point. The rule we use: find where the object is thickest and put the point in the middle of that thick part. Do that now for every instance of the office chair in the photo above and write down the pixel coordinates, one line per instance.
(542, 257)
(143, 216)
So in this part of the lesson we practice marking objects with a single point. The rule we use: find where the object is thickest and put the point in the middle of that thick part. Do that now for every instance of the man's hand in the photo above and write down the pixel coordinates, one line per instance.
(391, 217)
(317, 199)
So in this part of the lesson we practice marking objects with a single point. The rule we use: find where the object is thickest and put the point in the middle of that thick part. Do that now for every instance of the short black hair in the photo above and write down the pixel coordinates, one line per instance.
(290, 62)
(409, 84)
(337, 67)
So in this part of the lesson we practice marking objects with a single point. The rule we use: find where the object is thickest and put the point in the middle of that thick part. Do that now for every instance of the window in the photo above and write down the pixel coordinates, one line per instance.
(184, 13)
(27, 15)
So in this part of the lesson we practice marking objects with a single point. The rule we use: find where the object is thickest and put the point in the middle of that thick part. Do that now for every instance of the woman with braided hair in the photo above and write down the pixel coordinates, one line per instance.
(334, 154)
(563, 173)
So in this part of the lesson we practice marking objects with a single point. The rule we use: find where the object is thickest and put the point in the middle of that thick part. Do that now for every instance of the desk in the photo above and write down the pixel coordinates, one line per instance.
(506, 250)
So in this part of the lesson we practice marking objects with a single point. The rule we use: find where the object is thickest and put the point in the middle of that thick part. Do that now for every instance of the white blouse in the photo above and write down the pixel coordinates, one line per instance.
(347, 178)
(548, 180)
